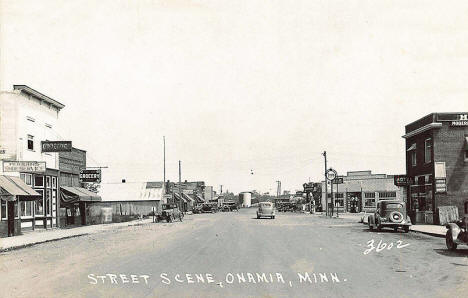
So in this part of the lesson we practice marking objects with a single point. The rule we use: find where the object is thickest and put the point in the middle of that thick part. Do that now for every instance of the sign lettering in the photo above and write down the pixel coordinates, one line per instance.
(90, 176)
(56, 146)
(24, 166)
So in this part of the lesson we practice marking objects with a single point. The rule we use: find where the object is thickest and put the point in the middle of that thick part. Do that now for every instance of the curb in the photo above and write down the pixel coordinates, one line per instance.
(429, 233)
(39, 242)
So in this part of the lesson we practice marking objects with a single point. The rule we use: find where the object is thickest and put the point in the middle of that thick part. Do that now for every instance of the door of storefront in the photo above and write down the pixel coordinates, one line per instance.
(11, 218)
(354, 202)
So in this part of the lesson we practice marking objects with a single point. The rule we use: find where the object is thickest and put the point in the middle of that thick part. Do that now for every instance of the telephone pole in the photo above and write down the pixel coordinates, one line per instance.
(164, 162)
(278, 188)
(221, 189)
(180, 186)
(326, 183)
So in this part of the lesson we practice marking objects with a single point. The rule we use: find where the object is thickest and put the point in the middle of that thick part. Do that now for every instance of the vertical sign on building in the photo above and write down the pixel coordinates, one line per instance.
(440, 174)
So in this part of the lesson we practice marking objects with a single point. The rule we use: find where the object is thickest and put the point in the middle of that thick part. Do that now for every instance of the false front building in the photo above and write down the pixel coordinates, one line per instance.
(437, 161)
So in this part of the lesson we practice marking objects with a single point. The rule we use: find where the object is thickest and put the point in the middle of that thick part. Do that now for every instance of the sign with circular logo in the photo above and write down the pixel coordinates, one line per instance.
(331, 174)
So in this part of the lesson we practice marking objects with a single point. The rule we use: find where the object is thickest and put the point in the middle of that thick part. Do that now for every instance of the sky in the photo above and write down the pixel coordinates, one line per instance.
(238, 87)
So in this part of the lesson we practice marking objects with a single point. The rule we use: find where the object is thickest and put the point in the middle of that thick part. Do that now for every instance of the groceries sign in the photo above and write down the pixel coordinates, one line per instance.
(56, 146)
(24, 166)
(90, 176)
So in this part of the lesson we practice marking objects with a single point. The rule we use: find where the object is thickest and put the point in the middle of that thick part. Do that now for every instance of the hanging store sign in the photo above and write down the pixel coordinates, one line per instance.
(441, 185)
(56, 146)
(90, 176)
(24, 166)
(402, 180)
(338, 180)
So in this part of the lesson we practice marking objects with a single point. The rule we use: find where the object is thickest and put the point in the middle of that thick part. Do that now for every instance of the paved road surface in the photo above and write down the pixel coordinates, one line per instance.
(227, 251)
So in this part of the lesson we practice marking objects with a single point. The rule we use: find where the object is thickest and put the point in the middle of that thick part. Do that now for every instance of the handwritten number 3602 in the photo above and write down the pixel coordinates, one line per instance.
(381, 246)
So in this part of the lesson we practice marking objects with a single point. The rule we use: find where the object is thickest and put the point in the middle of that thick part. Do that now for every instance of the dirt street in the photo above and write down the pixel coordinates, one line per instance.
(236, 255)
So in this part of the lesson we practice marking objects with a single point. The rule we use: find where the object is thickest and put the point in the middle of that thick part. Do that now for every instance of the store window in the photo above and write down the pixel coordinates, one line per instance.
(40, 203)
(3, 210)
(387, 194)
(369, 195)
(31, 142)
(39, 181)
(369, 202)
(48, 182)
(427, 151)
(54, 182)
(48, 201)
(26, 209)
(339, 202)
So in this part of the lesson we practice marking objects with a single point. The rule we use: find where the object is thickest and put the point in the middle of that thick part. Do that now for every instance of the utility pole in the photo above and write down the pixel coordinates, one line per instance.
(278, 188)
(180, 186)
(221, 189)
(326, 183)
(164, 163)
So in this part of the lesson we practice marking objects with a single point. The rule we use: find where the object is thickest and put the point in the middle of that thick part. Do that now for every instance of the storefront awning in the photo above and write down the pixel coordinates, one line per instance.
(199, 199)
(188, 197)
(180, 198)
(71, 195)
(12, 187)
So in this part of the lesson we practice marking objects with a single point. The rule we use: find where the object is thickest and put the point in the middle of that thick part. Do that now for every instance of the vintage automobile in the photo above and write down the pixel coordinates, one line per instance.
(389, 214)
(230, 206)
(197, 209)
(209, 208)
(457, 233)
(266, 209)
(169, 213)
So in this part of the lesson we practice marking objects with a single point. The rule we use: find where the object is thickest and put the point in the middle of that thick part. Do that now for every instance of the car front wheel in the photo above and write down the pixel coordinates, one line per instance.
(451, 245)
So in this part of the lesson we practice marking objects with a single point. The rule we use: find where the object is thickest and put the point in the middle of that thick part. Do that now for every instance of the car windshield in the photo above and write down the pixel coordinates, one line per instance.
(265, 205)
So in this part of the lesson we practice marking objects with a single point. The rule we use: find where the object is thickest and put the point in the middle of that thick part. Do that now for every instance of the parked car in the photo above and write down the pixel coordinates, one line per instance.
(457, 233)
(266, 209)
(209, 208)
(230, 206)
(197, 209)
(389, 214)
(170, 212)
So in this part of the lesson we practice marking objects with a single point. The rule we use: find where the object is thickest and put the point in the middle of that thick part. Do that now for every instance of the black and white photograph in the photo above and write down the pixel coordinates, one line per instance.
(247, 148)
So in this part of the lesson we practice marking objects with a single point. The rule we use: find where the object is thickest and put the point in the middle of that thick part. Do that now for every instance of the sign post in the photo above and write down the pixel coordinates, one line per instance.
(337, 181)
(331, 174)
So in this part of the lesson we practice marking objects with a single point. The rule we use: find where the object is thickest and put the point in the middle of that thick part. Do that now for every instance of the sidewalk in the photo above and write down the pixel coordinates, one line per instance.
(432, 230)
(40, 236)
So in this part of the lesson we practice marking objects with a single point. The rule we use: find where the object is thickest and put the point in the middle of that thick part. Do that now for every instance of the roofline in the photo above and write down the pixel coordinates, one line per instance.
(422, 129)
(420, 119)
(39, 95)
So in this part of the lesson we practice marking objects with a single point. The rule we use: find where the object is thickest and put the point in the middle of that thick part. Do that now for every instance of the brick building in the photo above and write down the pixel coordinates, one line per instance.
(437, 160)
(361, 190)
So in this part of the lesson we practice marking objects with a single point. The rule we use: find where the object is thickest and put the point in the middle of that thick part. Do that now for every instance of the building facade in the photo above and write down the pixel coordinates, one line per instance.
(437, 161)
(70, 165)
(28, 117)
(360, 191)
